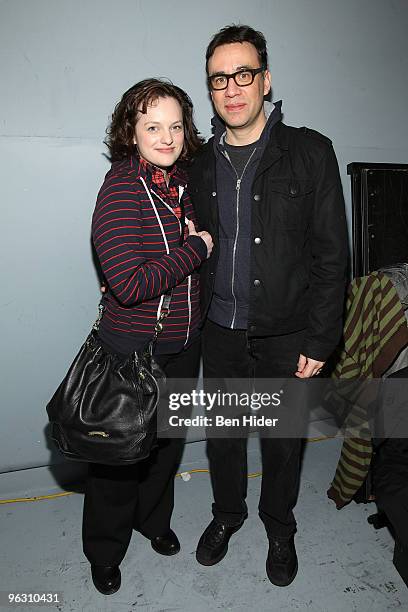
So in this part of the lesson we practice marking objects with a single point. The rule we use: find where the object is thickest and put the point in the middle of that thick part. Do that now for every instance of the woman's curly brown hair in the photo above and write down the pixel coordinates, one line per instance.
(121, 131)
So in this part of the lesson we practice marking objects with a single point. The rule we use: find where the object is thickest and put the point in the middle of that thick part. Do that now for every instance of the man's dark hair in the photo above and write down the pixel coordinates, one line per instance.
(121, 131)
(239, 34)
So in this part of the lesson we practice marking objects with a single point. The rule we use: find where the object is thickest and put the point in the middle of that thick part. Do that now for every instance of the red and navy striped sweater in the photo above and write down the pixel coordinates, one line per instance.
(136, 234)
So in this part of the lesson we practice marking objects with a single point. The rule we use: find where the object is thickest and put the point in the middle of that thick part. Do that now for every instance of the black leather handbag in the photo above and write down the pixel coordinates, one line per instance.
(104, 411)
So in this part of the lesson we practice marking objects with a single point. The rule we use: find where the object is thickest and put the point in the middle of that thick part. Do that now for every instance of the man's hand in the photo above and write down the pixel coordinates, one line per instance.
(308, 367)
(204, 235)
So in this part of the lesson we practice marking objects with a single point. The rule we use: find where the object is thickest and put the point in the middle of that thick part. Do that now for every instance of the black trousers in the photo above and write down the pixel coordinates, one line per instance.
(119, 499)
(230, 354)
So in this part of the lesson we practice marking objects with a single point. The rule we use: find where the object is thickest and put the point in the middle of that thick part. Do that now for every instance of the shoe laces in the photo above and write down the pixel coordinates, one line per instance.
(279, 550)
(215, 533)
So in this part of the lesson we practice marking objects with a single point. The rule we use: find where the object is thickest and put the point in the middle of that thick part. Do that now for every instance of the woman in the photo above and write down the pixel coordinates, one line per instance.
(145, 249)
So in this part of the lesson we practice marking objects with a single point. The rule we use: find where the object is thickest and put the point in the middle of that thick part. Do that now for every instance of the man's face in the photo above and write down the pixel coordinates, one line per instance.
(239, 107)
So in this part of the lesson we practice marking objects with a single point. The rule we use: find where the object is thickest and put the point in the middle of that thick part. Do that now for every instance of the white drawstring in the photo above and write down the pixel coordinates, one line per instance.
(157, 215)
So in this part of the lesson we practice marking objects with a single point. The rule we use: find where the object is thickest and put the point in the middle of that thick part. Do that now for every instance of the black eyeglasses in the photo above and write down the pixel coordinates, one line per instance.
(242, 78)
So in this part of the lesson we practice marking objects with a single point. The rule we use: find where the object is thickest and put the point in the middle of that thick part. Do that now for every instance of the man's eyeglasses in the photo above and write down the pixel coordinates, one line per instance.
(242, 78)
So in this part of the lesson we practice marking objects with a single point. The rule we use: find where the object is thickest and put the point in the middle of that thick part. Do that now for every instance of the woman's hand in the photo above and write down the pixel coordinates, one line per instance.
(204, 235)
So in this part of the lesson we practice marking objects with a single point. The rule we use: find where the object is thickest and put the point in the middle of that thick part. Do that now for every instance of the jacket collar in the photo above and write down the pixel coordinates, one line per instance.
(275, 148)
(272, 143)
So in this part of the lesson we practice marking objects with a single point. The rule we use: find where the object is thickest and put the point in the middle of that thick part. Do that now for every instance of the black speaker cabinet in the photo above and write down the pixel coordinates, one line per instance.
(380, 215)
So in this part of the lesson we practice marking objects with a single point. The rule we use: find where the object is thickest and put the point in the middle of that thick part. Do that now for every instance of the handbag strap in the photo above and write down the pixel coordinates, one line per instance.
(161, 316)
(95, 326)
(164, 313)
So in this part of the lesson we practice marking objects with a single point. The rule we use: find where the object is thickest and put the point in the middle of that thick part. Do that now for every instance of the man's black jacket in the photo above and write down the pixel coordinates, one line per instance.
(299, 241)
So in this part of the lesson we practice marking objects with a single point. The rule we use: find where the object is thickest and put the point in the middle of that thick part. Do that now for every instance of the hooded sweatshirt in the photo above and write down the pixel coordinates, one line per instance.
(230, 301)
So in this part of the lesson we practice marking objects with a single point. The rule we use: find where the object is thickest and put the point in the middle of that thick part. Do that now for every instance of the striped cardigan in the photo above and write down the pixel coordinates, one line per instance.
(375, 331)
(136, 234)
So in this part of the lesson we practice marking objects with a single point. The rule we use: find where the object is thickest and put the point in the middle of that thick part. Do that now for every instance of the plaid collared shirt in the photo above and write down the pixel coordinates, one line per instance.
(169, 192)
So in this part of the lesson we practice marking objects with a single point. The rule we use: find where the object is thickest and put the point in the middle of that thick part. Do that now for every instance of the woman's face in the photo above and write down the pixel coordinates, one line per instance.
(159, 133)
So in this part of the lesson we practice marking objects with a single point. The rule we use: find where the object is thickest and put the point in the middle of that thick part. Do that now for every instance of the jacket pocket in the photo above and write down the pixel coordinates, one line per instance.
(292, 201)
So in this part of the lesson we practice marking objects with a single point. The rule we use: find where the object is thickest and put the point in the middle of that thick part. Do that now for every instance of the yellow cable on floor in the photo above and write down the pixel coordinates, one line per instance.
(36, 498)
(195, 471)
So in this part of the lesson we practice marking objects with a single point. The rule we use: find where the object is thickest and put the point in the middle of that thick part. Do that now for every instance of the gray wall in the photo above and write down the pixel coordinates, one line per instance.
(340, 67)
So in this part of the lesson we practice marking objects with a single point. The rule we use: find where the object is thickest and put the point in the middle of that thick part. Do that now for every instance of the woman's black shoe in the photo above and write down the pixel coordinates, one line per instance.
(106, 578)
(167, 544)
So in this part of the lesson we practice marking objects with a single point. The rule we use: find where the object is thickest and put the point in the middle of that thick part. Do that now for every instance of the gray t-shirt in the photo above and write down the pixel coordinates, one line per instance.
(239, 155)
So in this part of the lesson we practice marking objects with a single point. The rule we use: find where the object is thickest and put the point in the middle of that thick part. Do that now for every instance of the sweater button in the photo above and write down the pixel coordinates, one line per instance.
(257, 283)
(257, 240)
(257, 197)
(214, 193)
(252, 328)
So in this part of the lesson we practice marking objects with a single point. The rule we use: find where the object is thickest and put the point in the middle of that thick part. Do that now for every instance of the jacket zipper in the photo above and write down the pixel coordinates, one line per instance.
(234, 250)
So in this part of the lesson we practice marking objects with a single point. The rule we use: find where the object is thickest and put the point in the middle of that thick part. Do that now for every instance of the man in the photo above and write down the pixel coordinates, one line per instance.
(272, 291)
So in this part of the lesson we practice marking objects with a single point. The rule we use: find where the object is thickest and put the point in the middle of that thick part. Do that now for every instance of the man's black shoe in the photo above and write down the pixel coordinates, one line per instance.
(282, 563)
(106, 578)
(167, 544)
(213, 544)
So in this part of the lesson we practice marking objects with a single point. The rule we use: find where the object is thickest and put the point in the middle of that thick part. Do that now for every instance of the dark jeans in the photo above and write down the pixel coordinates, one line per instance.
(230, 354)
(119, 499)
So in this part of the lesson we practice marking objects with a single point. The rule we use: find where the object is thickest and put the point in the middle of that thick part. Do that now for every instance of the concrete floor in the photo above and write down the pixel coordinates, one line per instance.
(344, 564)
